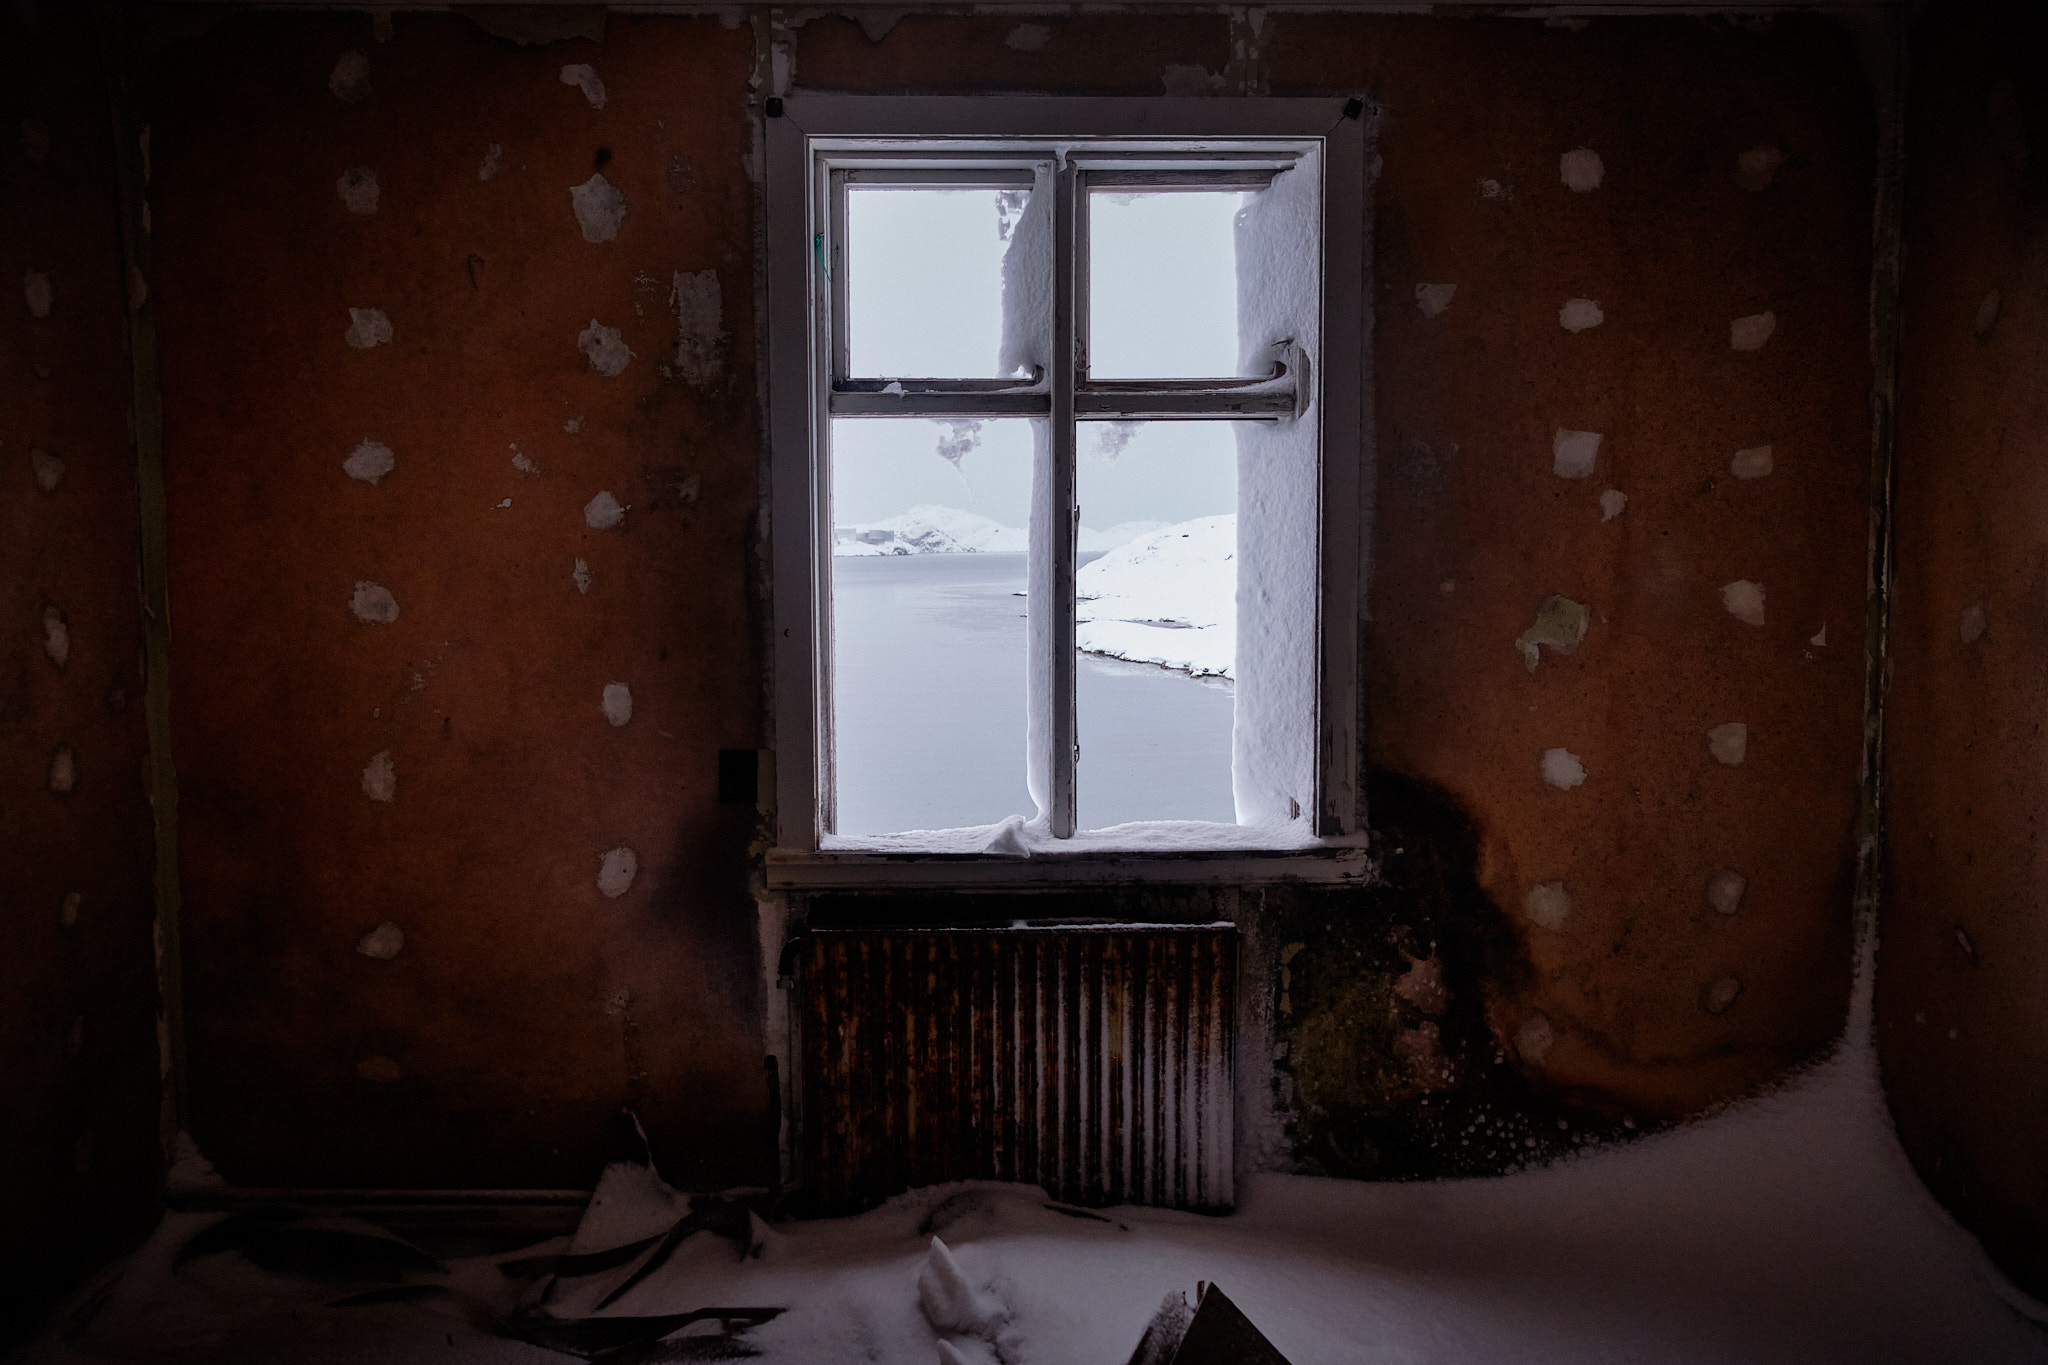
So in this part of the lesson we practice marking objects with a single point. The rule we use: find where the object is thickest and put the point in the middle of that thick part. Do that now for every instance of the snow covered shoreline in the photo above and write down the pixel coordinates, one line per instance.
(1160, 594)
(929, 529)
(1168, 597)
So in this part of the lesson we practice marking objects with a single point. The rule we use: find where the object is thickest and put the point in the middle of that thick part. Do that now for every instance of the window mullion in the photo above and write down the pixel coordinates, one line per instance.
(1060, 771)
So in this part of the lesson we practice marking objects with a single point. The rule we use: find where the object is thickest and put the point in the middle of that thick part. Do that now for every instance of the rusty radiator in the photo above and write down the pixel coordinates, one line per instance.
(1093, 1062)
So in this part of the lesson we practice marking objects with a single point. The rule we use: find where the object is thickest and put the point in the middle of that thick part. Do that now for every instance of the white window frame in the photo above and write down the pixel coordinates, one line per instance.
(815, 135)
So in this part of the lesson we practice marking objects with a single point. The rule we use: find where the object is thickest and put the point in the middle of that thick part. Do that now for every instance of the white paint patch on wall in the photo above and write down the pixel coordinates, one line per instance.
(68, 916)
(1578, 315)
(1612, 504)
(602, 513)
(350, 80)
(1534, 1039)
(1725, 888)
(1987, 315)
(1729, 743)
(618, 703)
(1719, 996)
(383, 943)
(370, 461)
(877, 23)
(1973, 623)
(373, 603)
(358, 189)
(1562, 769)
(1548, 904)
(605, 347)
(56, 636)
(1573, 454)
(1752, 463)
(1744, 600)
(48, 469)
(1755, 167)
(1185, 80)
(699, 307)
(494, 157)
(1560, 625)
(368, 327)
(63, 770)
(523, 462)
(1432, 299)
(581, 574)
(1750, 333)
(1581, 169)
(600, 208)
(1028, 38)
(380, 777)
(584, 77)
(615, 872)
(37, 292)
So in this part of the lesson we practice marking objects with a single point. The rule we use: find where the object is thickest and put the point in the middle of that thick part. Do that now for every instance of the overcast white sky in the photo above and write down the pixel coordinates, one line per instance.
(924, 282)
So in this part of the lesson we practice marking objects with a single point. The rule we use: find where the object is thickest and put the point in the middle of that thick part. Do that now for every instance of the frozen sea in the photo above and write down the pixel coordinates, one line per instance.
(928, 678)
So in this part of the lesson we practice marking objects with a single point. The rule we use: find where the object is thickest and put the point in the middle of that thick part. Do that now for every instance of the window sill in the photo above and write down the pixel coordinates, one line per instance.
(856, 869)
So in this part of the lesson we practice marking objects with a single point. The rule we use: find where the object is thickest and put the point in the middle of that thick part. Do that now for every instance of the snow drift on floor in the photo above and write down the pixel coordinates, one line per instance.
(1786, 1229)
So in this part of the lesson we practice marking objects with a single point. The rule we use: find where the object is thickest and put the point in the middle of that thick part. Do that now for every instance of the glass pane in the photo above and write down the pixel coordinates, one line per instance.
(924, 281)
(1162, 284)
(928, 622)
(1157, 621)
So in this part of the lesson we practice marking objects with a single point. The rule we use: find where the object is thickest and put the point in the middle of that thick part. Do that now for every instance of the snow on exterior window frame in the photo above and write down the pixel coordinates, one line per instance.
(1302, 410)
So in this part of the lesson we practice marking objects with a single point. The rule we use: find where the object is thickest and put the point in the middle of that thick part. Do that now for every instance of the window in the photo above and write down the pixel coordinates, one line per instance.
(1067, 413)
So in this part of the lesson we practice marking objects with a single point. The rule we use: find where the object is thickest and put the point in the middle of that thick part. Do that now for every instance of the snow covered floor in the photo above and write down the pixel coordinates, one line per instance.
(1786, 1229)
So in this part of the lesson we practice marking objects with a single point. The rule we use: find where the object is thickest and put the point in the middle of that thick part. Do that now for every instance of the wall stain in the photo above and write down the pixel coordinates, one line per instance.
(1387, 1062)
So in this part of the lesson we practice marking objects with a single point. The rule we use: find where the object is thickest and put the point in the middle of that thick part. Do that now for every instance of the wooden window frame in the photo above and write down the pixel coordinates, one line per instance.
(1062, 145)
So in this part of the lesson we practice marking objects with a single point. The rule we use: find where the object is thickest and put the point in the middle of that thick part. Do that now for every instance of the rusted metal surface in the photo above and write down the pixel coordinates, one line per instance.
(1094, 1062)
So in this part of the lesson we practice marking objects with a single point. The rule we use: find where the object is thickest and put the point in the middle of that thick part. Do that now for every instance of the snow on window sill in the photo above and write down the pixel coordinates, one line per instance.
(1015, 852)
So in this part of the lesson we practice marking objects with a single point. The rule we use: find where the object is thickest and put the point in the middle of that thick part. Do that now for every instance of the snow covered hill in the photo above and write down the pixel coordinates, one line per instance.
(929, 529)
(1161, 594)
(1168, 597)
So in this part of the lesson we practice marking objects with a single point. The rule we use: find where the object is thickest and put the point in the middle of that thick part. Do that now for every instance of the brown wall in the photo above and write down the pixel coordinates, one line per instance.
(1474, 531)
(79, 1154)
(1962, 1018)
(524, 1005)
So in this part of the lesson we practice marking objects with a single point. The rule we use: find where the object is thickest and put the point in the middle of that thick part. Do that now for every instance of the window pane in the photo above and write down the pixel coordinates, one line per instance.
(924, 280)
(1157, 621)
(1162, 281)
(928, 622)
